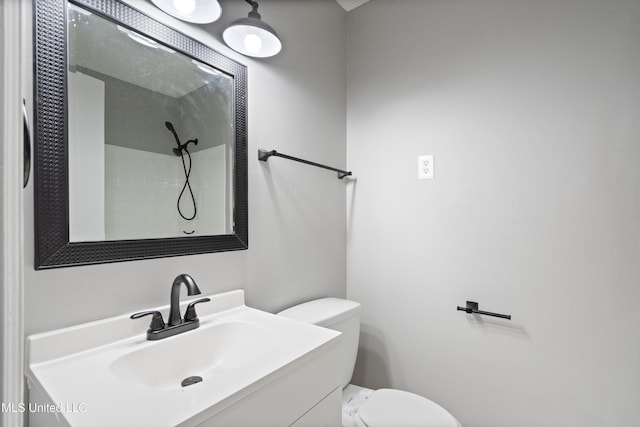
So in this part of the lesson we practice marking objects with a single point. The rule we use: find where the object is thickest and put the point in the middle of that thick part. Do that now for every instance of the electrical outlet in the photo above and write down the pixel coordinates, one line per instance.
(425, 166)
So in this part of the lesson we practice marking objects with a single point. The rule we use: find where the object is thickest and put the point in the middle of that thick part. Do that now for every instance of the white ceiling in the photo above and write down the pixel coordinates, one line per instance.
(349, 5)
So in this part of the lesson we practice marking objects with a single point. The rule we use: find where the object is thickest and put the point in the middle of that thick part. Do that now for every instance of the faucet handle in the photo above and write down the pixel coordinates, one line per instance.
(190, 314)
(157, 323)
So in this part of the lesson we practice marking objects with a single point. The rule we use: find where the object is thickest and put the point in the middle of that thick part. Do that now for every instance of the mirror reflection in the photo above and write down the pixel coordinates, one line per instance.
(150, 137)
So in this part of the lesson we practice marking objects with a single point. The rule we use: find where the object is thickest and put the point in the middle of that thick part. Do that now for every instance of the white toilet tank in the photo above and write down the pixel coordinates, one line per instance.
(338, 314)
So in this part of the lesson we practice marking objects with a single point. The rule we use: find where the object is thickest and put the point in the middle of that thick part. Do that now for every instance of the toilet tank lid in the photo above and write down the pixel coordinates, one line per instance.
(323, 312)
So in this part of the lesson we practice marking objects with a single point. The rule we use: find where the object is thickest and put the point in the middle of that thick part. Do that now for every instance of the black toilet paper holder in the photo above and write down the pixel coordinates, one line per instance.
(472, 308)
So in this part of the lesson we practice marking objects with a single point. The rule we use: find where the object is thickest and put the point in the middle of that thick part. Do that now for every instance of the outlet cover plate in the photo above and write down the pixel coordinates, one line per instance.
(425, 166)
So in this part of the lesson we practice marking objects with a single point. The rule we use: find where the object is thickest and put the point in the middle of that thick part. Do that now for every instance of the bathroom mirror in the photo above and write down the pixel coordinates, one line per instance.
(141, 138)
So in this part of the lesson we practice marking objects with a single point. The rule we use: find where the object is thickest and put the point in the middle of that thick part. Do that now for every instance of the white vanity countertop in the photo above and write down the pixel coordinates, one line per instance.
(73, 367)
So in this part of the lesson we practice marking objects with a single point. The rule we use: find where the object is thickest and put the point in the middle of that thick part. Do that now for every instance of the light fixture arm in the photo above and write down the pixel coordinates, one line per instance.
(254, 5)
(254, 9)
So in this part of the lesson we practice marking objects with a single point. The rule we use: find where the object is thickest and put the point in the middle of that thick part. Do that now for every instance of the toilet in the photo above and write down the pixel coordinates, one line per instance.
(362, 407)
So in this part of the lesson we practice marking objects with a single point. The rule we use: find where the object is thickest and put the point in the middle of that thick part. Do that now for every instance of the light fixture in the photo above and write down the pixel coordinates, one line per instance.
(251, 36)
(196, 11)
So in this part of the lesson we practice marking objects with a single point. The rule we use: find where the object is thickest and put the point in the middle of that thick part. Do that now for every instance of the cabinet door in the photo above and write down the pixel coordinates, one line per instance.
(288, 399)
(326, 413)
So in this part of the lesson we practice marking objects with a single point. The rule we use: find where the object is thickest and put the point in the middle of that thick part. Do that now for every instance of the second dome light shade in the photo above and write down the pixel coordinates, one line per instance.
(251, 36)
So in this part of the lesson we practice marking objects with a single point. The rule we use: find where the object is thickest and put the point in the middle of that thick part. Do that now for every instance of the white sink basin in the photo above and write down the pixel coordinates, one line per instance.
(112, 375)
(215, 351)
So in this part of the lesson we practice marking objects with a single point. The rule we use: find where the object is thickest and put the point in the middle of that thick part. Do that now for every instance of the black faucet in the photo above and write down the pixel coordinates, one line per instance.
(158, 329)
(192, 289)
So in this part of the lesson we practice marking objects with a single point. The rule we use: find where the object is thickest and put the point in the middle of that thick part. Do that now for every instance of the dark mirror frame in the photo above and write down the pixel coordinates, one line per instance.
(52, 246)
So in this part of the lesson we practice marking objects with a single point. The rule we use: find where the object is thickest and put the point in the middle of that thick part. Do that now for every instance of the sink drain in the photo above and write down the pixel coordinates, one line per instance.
(190, 380)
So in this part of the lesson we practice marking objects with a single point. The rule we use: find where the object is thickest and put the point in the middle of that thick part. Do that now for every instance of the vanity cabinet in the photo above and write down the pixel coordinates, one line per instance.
(307, 395)
(255, 369)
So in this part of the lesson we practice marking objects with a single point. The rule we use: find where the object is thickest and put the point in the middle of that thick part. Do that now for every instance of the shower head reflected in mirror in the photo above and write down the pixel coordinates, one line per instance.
(178, 151)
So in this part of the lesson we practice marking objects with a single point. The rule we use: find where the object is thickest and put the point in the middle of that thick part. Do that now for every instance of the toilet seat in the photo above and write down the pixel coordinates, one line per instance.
(387, 407)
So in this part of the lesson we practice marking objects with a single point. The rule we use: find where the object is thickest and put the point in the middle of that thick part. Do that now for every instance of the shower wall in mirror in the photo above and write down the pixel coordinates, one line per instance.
(141, 138)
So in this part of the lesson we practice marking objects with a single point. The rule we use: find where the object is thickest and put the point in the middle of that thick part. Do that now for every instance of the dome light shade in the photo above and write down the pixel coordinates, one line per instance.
(196, 11)
(185, 6)
(251, 36)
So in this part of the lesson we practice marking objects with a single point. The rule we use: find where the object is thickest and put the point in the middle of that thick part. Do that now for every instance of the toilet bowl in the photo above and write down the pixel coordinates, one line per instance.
(362, 407)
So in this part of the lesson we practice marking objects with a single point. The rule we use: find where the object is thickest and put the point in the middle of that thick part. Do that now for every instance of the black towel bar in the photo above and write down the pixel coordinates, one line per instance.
(472, 308)
(263, 155)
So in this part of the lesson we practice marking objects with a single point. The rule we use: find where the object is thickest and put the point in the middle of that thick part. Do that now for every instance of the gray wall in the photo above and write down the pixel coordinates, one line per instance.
(531, 110)
(215, 126)
(297, 232)
(134, 117)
